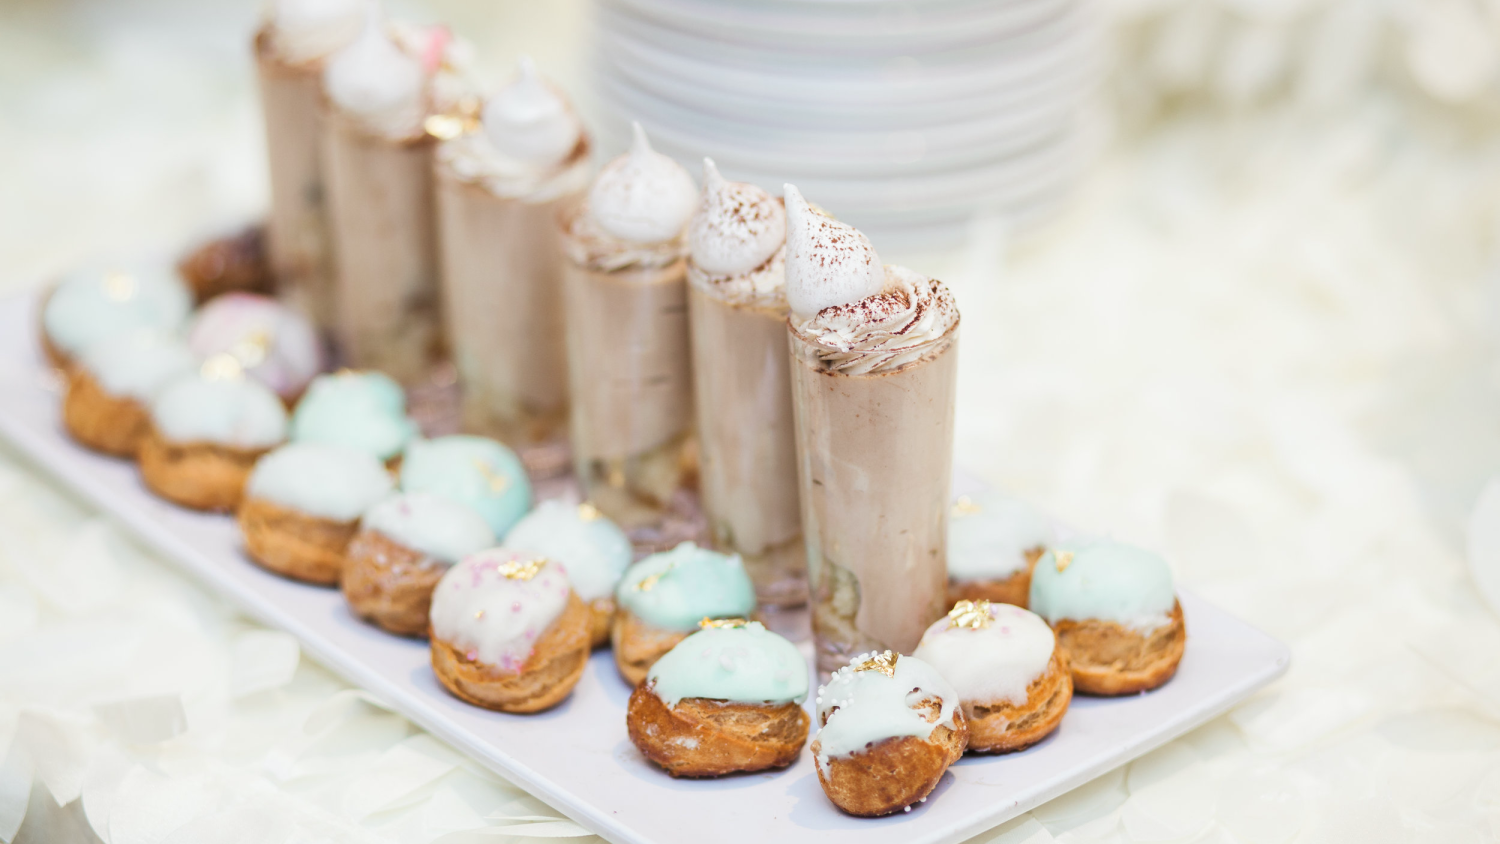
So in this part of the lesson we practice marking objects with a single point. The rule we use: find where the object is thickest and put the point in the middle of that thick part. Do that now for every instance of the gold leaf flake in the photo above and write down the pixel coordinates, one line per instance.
(221, 367)
(721, 623)
(885, 663)
(120, 286)
(496, 480)
(974, 615)
(588, 512)
(965, 506)
(1063, 559)
(522, 569)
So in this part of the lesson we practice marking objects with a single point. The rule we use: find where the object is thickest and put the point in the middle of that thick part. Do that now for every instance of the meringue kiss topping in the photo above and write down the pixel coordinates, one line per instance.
(377, 82)
(737, 226)
(642, 196)
(828, 263)
(527, 121)
(304, 30)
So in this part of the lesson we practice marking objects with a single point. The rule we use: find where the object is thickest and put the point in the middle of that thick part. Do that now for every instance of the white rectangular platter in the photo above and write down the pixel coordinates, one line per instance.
(577, 757)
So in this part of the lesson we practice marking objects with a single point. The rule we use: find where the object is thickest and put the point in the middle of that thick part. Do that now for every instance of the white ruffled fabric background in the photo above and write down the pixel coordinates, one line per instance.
(1263, 342)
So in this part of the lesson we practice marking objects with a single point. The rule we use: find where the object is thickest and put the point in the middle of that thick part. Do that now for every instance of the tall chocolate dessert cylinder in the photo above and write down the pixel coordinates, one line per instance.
(874, 380)
(290, 50)
(629, 372)
(379, 92)
(741, 383)
(501, 183)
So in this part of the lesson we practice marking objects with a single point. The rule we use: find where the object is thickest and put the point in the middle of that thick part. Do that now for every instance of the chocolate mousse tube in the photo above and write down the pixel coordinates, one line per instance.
(742, 387)
(290, 49)
(629, 373)
(379, 92)
(874, 377)
(501, 183)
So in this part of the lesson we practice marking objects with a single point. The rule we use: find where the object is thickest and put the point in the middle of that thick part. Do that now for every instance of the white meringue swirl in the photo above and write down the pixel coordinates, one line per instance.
(828, 263)
(307, 30)
(642, 197)
(376, 82)
(528, 122)
(883, 332)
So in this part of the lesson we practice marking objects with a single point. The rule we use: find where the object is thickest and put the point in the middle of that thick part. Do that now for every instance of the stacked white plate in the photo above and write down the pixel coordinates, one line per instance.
(903, 117)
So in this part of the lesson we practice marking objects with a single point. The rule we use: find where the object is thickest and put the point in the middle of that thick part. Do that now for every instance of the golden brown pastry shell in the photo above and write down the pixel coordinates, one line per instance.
(199, 475)
(389, 584)
(295, 544)
(1110, 659)
(107, 423)
(550, 673)
(711, 738)
(894, 773)
(638, 645)
(1015, 589)
(1004, 727)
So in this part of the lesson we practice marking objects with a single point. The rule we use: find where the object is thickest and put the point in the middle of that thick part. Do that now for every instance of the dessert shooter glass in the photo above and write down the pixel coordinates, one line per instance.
(380, 200)
(296, 228)
(746, 439)
(875, 456)
(630, 382)
(503, 314)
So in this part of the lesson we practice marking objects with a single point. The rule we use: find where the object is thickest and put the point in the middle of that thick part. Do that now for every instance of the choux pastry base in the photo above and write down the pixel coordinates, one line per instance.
(551, 672)
(1015, 589)
(201, 476)
(389, 584)
(294, 544)
(894, 773)
(638, 645)
(711, 738)
(1005, 727)
(1109, 659)
(111, 424)
(603, 612)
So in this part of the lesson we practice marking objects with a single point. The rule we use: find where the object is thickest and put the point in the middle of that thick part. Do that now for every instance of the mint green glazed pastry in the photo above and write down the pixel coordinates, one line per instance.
(96, 302)
(662, 598)
(593, 550)
(726, 699)
(361, 410)
(738, 663)
(476, 471)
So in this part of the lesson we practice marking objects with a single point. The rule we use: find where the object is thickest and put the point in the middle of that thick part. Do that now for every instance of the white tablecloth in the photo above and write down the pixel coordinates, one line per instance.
(1262, 342)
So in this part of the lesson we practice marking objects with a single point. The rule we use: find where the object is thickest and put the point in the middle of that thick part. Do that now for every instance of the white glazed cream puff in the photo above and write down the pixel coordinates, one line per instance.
(96, 302)
(595, 551)
(404, 545)
(726, 699)
(106, 406)
(274, 344)
(302, 506)
(993, 543)
(1115, 613)
(662, 598)
(889, 726)
(1011, 677)
(207, 431)
(508, 633)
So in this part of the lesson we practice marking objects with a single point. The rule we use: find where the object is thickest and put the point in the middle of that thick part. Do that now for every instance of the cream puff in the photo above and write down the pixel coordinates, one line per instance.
(726, 699)
(363, 410)
(106, 405)
(593, 548)
(662, 598)
(508, 633)
(404, 546)
(207, 431)
(474, 471)
(272, 343)
(993, 543)
(235, 262)
(1011, 677)
(93, 303)
(1115, 613)
(302, 506)
(888, 727)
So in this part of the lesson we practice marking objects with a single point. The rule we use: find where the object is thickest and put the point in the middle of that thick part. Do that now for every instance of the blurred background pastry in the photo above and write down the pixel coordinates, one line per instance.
(273, 344)
(625, 293)
(364, 410)
(403, 547)
(592, 548)
(477, 472)
(110, 386)
(291, 46)
(98, 300)
(503, 175)
(994, 540)
(302, 505)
